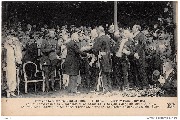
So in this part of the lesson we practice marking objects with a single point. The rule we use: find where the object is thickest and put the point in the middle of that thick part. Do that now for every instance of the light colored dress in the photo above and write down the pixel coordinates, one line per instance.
(10, 68)
(13, 56)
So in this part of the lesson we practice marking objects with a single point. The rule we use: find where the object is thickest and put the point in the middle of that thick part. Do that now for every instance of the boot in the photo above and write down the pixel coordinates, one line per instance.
(52, 85)
(8, 95)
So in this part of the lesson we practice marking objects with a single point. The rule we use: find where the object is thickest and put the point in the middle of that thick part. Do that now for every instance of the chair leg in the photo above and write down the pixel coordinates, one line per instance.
(43, 87)
(25, 87)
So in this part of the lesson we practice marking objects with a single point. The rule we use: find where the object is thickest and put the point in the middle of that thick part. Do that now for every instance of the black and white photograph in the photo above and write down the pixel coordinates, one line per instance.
(88, 49)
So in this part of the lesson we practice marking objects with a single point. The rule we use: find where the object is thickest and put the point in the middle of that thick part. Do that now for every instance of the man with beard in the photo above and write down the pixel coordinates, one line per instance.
(71, 64)
(102, 49)
(139, 56)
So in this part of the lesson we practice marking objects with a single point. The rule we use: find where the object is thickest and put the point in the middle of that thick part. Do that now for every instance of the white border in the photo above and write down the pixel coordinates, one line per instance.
(92, 117)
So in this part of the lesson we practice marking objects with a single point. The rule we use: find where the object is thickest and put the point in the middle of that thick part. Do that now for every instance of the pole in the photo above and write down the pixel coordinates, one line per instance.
(115, 16)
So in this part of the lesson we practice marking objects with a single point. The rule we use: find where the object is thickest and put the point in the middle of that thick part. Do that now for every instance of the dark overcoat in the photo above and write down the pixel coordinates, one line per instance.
(73, 59)
(103, 44)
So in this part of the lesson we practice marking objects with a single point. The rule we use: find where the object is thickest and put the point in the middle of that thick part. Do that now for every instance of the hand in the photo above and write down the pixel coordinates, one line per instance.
(88, 55)
(62, 62)
(126, 52)
(136, 55)
(53, 49)
(97, 65)
(18, 63)
(91, 64)
(85, 48)
(4, 68)
(99, 56)
(58, 57)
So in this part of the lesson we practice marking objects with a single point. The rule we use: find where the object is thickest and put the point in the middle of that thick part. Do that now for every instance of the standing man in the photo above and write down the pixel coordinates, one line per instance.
(49, 59)
(123, 50)
(72, 63)
(102, 49)
(139, 55)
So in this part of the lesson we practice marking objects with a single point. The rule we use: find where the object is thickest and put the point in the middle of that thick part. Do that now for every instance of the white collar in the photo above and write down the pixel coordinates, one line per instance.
(136, 33)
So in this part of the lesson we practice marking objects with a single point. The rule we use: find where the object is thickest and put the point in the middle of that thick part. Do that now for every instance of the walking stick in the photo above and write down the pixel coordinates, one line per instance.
(60, 77)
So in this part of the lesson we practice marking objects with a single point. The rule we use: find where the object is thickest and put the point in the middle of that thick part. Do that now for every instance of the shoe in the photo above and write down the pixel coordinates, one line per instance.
(46, 90)
(12, 93)
(92, 91)
(78, 92)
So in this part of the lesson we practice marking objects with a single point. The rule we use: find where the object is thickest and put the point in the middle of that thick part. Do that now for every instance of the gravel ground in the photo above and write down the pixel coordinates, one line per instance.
(85, 94)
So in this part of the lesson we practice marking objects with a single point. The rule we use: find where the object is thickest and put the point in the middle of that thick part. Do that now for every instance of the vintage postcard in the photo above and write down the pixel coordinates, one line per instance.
(95, 58)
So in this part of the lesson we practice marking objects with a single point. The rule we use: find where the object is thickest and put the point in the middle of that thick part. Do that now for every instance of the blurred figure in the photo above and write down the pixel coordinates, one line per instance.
(13, 60)
(162, 51)
(170, 77)
(94, 34)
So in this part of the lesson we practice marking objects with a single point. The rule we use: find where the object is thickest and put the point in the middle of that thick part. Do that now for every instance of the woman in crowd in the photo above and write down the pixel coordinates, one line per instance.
(13, 58)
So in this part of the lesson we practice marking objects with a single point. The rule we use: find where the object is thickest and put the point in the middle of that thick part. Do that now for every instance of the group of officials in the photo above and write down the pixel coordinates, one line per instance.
(100, 58)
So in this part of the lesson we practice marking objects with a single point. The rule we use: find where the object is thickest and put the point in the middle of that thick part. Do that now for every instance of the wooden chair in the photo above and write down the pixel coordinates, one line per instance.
(32, 75)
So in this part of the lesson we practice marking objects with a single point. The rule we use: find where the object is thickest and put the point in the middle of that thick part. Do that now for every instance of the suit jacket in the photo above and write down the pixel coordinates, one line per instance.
(72, 61)
(139, 47)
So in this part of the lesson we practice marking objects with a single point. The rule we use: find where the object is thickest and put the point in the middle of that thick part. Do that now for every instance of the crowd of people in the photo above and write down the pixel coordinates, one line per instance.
(99, 58)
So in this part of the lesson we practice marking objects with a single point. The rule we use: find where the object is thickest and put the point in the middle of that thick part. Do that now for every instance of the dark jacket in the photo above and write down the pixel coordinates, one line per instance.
(140, 47)
(103, 44)
(31, 53)
(72, 61)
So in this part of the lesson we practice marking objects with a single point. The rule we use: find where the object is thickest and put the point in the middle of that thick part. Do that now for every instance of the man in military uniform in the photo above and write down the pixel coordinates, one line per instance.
(49, 59)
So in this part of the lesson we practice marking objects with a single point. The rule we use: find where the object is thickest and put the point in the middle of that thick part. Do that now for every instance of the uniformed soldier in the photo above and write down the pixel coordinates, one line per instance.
(49, 59)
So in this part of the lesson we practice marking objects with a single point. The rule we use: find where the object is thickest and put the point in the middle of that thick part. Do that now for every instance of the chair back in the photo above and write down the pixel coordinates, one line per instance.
(30, 70)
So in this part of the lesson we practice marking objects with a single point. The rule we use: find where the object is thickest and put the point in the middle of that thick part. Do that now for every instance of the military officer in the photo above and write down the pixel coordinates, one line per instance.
(49, 59)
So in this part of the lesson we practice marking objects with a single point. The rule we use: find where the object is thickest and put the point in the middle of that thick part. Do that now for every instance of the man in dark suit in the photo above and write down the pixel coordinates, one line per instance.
(139, 55)
(72, 64)
(31, 51)
(102, 49)
(123, 49)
